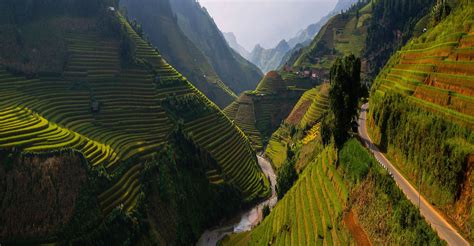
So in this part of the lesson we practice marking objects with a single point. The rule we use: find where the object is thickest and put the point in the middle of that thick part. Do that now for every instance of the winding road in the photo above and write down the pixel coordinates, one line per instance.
(439, 224)
(250, 218)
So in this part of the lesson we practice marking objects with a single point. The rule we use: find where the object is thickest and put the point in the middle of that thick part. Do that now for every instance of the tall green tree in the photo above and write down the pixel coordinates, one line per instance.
(287, 175)
(344, 95)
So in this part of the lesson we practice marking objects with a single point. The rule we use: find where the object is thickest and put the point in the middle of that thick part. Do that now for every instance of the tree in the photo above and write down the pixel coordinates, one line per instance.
(265, 211)
(286, 177)
(344, 95)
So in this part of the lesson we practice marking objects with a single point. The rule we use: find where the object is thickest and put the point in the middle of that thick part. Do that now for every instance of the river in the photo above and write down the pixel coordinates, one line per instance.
(248, 219)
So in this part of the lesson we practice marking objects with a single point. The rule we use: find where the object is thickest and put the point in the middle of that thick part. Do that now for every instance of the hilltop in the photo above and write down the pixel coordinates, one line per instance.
(111, 134)
(258, 113)
(234, 44)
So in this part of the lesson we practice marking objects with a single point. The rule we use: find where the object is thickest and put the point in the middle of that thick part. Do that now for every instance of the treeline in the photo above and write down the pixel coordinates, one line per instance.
(21, 11)
(427, 143)
(391, 26)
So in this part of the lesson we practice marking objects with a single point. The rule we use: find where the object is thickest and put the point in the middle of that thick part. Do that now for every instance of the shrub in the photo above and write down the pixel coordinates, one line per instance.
(286, 177)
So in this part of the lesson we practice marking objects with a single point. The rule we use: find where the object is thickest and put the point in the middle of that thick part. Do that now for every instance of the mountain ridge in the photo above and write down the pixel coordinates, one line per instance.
(196, 23)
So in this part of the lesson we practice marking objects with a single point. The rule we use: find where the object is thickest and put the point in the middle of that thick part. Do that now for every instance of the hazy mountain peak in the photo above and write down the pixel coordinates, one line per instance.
(234, 44)
(283, 46)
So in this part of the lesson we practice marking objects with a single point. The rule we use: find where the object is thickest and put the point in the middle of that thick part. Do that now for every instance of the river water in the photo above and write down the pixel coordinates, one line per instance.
(248, 219)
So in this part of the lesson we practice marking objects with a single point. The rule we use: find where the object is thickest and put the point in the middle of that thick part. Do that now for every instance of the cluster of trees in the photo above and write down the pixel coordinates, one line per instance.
(440, 10)
(426, 142)
(287, 175)
(391, 26)
(187, 107)
(344, 94)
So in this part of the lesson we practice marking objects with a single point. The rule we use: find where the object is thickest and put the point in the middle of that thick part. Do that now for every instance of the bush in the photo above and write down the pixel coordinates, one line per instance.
(286, 178)
(355, 160)
(265, 211)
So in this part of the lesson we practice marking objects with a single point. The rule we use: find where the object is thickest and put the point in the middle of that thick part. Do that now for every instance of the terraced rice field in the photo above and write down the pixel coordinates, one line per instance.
(309, 213)
(301, 107)
(318, 107)
(277, 148)
(242, 112)
(271, 83)
(437, 70)
(232, 151)
(113, 115)
(312, 134)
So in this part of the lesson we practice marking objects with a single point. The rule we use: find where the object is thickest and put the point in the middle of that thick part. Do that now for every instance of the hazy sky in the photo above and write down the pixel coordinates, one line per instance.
(265, 21)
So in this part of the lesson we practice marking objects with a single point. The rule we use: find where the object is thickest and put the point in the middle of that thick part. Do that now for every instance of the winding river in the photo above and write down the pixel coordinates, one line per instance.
(248, 219)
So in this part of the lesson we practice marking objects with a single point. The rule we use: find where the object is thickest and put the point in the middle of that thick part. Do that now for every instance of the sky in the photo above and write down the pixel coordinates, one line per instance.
(265, 22)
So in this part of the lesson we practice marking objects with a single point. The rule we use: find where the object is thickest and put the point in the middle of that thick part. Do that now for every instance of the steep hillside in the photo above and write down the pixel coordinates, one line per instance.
(158, 24)
(196, 23)
(307, 34)
(142, 128)
(427, 87)
(234, 44)
(371, 30)
(258, 113)
(341, 198)
(304, 118)
(343, 34)
(269, 59)
(304, 37)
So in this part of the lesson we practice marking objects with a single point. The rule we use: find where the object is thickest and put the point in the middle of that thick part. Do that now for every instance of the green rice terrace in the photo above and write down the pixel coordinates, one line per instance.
(427, 86)
(308, 214)
(119, 116)
(436, 70)
(103, 142)
(305, 116)
(260, 112)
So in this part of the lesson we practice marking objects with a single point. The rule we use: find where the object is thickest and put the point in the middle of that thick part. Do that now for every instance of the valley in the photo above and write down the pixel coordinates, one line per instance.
(142, 123)
(246, 220)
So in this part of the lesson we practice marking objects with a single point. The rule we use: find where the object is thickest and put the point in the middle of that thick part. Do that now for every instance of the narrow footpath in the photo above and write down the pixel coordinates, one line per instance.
(439, 224)
(248, 219)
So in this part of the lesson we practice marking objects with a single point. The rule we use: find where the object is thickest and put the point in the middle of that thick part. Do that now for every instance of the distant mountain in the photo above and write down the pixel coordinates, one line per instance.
(200, 28)
(310, 32)
(302, 39)
(269, 59)
(232, 41)
(159, 25)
